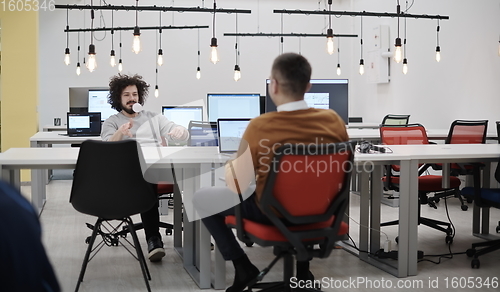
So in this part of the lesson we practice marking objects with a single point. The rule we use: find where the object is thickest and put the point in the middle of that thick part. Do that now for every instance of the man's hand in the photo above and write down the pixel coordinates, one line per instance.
(125, 128)
(177, 132)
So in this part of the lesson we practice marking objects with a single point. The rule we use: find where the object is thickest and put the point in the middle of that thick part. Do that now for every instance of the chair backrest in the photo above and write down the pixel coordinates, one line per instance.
(391, 119)
(309, 183)
(467, 132)
(108, 180)
(202, 133)
(410, 134)
(498, 131)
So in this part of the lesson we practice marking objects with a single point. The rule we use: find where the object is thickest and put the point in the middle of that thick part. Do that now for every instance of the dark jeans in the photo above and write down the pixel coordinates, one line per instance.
(151, 220)
(223, 235)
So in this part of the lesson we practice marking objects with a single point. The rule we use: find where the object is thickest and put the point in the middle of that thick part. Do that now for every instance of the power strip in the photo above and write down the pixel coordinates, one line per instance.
(394, 254)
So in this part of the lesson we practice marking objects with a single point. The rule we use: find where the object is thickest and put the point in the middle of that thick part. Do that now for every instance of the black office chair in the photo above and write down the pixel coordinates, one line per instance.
(498, 131)
(202, 133)
(391, 119)
(108, 183)
(484, 198)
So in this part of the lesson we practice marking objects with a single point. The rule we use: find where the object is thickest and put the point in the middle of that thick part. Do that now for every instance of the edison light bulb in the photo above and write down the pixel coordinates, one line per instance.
(136, 43)
(405, 66)
(398, 56)
(112, 60)
(237, 73)
(214, 55)
(157, 93)
(361, 67)
(66, 57)
(329, 42)
(438, 53)
(91, 63)
(338, 70)
(120, 65)
(160, 57)
(198, 73)
(78, 70)
(329, 46)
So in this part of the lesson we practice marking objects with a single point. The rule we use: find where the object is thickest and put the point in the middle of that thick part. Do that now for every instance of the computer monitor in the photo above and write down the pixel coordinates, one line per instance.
(324, 93)
(230, 132)
(83, 124)
(182, 115)
(98, 102)
(237, 105)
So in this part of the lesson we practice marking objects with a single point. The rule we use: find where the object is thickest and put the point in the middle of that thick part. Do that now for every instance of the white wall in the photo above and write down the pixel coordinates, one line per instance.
(463, 85)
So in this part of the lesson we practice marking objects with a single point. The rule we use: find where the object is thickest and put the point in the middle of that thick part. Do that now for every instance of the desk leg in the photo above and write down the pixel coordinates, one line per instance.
(188, 249)
(38, 189)
(485, 212)
(196, 250)
(408, 219)
(220, 263)
(364, 205)
(12, 176)
(177, 216)
(375, 202)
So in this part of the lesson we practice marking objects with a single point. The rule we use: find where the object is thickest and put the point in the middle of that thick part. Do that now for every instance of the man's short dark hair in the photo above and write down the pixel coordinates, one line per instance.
(293, 73)
(119, 82)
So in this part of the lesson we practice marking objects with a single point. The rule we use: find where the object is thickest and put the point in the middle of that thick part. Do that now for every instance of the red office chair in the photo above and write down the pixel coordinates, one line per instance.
(305, 205)
(416, 134)
(462, 132)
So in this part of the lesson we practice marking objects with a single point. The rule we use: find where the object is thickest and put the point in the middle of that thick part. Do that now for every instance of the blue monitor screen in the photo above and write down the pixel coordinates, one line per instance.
(239, 105)
(182, 115)
(324, 93)
(98, 102)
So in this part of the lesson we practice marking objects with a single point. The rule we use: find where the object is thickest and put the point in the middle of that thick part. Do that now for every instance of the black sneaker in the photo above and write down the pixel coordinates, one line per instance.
(155, 249)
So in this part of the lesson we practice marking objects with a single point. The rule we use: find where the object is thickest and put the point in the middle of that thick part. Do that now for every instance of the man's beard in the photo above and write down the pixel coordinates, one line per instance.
(129, 110)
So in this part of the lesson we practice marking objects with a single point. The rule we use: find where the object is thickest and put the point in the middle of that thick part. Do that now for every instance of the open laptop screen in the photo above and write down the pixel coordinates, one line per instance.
(182, 115)
(230, 132)
(84, 124)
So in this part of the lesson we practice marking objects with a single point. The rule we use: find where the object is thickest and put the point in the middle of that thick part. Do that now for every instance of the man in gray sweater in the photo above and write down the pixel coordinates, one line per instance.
(147, 128)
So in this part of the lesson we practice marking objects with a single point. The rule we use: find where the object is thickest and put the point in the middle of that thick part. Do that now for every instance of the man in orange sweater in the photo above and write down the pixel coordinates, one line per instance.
(294, 122)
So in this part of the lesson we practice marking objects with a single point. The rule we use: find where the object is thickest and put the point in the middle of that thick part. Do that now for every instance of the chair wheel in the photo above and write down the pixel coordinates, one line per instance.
(124, 231)
(464, 207)
(470, 200)
(168, 231)
(449, 239)
(470, 252)
(497, 229)
(87, 240)
(397, 239)
(249, 244)
(449, 231)
(114, 241)
(475, 264)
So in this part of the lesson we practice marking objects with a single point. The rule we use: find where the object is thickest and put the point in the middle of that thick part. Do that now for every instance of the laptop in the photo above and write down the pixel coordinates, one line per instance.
(83, 124)
(229, 134)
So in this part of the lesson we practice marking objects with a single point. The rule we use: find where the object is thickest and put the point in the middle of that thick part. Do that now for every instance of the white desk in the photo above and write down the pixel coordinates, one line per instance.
(50, 128)
(42, 139)
(197, 160)
(193, 164)
(409, 157)
(371, 134)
